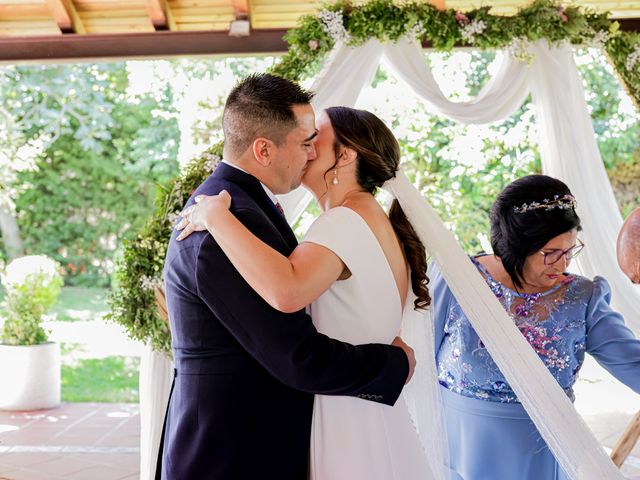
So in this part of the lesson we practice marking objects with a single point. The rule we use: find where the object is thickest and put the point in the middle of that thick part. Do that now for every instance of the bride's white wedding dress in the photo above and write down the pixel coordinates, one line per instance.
(353, 438)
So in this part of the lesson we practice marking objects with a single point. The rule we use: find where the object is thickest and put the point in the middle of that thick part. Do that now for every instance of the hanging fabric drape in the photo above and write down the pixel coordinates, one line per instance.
(499, 99)
(569, 151)
(567, 143)
(156, 376)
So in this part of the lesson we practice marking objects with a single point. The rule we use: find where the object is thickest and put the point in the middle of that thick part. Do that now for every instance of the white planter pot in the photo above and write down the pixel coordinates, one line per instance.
(30, 376)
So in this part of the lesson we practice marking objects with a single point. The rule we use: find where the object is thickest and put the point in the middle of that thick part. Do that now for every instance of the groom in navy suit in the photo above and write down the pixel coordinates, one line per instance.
(242, 400)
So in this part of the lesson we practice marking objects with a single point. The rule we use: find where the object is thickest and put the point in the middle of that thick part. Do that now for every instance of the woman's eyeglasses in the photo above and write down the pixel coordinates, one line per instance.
(553, 256)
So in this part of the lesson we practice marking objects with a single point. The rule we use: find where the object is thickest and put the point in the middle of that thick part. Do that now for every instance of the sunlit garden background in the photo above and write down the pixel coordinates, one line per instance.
(84, 149)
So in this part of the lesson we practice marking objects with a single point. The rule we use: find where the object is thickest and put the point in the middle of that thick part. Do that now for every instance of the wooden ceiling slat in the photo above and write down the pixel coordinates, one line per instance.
(305, 4)
(10, 23)
(120, 14)
(65, 14)
(262, 9)
(92, 23)
(223, 27)
(275, 17)
(273, 24)
(203, 11)
(34, 11)
(117, 29)
(130, 4)
(25, 32)
(28, 28)
(109, 7)
(171, 22)
(21, 2)
(205, 19)
(200, 3)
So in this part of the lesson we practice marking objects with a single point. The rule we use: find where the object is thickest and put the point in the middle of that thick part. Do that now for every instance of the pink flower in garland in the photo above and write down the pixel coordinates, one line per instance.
(563, 15)
(314, 44)
(461, 18)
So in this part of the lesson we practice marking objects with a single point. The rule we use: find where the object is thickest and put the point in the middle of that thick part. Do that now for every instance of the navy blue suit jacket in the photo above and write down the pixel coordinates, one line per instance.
(242, 401)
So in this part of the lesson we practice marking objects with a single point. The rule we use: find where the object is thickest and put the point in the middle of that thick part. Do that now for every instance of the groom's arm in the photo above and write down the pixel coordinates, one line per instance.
(288, 345)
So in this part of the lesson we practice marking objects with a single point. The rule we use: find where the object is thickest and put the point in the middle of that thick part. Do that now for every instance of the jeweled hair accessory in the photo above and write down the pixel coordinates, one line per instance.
(564, 202)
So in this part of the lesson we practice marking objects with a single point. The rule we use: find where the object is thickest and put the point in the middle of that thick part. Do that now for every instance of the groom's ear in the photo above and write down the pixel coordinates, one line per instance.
(263, 151)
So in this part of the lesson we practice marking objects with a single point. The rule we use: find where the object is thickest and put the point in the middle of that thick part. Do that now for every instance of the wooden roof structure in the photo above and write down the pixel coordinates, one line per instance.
(75, 29)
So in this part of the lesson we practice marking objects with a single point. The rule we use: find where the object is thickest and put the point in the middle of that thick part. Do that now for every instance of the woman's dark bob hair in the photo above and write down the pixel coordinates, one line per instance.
(515, 236)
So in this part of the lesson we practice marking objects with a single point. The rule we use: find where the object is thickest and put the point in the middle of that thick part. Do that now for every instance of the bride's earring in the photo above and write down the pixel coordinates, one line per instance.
(335, 176)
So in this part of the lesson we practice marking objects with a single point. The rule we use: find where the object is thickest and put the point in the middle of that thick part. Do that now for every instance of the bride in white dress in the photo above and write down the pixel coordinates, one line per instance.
(361, 271)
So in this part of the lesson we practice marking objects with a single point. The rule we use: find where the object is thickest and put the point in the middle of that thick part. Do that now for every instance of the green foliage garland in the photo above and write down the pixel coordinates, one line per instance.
(138, 273)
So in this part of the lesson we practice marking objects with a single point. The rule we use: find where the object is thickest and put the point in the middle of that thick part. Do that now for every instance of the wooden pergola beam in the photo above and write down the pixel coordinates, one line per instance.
(156, 12)
(156, 44)
(65, 15)
(241, 9)
(629, 24)
(138, 45)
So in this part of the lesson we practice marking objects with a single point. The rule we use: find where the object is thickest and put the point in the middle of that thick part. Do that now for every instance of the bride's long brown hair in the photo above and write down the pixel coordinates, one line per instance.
(378, 156)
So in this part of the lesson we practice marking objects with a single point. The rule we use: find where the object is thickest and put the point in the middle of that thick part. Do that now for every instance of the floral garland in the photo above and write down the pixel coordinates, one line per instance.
(139, 271)
(444, 29)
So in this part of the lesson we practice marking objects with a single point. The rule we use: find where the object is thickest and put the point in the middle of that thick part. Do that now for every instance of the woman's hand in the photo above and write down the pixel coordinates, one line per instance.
(203, 214)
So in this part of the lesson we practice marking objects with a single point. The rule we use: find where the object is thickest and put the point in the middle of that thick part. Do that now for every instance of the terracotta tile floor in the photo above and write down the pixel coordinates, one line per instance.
(92, 441)
(77, 441)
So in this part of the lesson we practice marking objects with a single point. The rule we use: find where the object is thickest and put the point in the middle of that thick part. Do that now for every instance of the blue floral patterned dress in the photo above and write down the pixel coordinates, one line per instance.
(490, 434)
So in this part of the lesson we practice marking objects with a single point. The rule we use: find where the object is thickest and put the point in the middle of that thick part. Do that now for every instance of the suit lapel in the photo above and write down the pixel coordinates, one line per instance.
(254, 189)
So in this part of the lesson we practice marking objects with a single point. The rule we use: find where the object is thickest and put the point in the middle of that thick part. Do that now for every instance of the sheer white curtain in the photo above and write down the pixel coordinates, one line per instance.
(569, 151)
(156, 376)
(567, 144)
(564, 431)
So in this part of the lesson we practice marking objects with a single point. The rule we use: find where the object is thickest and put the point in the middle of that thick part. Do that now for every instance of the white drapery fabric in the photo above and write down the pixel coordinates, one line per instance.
(564, 431)
(569, 151)
(156, 376)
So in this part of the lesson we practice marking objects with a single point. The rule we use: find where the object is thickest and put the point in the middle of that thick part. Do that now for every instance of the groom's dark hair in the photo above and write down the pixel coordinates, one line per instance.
(261, 105)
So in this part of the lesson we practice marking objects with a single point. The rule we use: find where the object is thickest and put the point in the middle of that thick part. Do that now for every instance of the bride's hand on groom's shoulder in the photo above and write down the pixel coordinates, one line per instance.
(411, 357)
(201, 216)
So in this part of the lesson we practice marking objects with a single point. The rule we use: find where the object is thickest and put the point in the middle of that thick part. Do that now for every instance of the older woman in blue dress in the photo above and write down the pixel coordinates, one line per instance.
(534, 236)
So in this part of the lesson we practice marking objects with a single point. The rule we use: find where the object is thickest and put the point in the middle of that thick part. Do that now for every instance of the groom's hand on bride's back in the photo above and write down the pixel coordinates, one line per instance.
(411, 357)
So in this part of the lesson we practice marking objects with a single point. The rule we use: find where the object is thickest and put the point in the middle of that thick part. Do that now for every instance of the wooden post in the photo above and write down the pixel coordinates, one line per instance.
(627, 441)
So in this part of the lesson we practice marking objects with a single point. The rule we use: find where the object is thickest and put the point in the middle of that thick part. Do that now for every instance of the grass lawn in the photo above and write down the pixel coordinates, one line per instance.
(86, 379)
(78, 303)
(110, 379)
